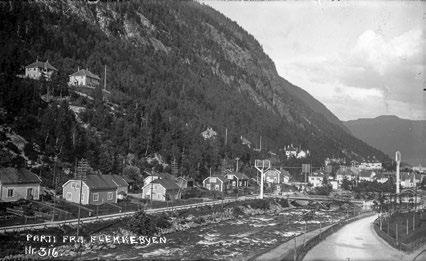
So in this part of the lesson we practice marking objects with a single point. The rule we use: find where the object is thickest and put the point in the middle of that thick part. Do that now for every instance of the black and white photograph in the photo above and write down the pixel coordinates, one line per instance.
(213, 130)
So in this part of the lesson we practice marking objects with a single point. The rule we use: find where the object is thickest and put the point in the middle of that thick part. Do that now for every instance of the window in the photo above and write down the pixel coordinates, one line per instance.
(69, 195)
(95, 196)
(216, 187)
(208, 186)
(10, 193)
(109, 197)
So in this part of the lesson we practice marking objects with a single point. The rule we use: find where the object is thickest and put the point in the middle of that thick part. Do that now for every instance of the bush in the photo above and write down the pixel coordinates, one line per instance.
(162, 221)
(143, 224)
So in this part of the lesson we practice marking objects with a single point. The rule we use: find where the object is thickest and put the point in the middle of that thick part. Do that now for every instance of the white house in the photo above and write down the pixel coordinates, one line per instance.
(84, 77)
(316, 179)
(209, 133)
(38, 69)
(334, 184)
(370, 166)
(161, 190)
(345, 173)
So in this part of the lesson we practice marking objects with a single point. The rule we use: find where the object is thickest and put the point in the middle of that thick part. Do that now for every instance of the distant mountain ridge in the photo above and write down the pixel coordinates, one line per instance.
(390, 133)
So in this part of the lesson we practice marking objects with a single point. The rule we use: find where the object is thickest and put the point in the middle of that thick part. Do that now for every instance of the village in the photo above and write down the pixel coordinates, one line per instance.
(119, 192)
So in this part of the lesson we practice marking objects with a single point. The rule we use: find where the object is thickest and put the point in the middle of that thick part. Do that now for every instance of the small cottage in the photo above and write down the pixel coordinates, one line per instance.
(236, 179)
(217, 182)
(84, 77)
(38, 69)
(161, 190)
(156, 175)
(316, 179)
(18, 184)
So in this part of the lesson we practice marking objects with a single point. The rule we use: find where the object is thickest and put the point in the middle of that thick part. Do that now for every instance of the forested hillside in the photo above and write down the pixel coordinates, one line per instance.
(174, 68)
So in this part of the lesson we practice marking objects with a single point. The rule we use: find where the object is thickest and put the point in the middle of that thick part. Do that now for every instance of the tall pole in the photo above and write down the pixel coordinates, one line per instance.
(226, 136)
(261, 184)
(398, 161)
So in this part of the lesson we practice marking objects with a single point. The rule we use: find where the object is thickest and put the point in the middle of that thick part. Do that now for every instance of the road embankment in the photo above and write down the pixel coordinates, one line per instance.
(297, 247)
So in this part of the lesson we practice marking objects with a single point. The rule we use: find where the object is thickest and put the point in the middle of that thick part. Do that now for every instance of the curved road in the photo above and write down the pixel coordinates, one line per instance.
(355, 241)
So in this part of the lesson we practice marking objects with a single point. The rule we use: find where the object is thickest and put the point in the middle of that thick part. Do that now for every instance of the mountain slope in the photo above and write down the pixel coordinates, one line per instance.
(390, 133)
(173, 68)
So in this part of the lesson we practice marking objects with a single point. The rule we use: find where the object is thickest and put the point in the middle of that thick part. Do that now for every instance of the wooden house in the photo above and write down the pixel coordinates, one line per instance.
(84, 77)
(217, 182)
(96, 189)
(18, 184)
(38, 69)
(236, 179)
(316, 179)
(161, 190)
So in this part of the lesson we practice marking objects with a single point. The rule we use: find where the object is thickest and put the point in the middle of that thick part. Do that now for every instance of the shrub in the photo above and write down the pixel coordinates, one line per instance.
(162, 221)
(143, 224)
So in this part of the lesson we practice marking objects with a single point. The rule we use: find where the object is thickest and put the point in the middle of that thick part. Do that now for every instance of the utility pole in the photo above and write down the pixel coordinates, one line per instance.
(81, 170)
(261, 166)
(398, 162)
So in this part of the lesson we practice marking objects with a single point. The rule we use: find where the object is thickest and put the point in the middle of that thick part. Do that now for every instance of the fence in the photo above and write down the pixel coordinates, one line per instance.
(302, 250)
(115, 216)
(407, 247)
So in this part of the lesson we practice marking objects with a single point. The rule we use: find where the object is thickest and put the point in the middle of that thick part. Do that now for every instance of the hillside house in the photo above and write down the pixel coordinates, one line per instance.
(334, 184)
(84, 77)
(316, 179)
(96, 189)
(38, 69)
(122, 186)
(370, 165)
(217, 182)
(209, 133)
(18, 184)
(236, 179)
(161, 190)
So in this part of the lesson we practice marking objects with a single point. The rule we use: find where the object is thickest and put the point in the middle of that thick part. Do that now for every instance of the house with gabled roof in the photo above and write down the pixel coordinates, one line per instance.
(236, 179)
(153, 175)
(18, 184)
(96, 189)
(275, 176)
(84, 77)
(161, 190)
(410, 179)
(216, 182)
(38, 69)
(316, 179)
(345, 173)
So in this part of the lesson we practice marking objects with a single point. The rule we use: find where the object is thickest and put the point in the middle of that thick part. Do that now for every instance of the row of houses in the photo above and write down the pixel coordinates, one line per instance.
(82, 77)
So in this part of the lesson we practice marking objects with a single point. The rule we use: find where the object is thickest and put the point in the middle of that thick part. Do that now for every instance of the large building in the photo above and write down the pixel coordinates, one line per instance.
(38, 69)
(96, 189)
(370, 166)
(84, 77)
(18, 184)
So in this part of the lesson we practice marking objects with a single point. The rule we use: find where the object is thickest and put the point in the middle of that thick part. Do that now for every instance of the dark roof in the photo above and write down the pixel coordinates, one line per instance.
(120, 181)
(128, 179)
(218, 176)
(43, 65)
(85, 72)
(168, 184)
(345, 172)
(15, 176)
(100, 182)
(239, 175)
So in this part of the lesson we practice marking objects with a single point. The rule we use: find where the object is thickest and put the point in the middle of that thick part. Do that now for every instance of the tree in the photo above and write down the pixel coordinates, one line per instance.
(143, 224)
(346, 184)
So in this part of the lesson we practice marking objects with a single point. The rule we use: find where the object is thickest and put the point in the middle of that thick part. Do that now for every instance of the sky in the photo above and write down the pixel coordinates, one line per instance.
(362, 59)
